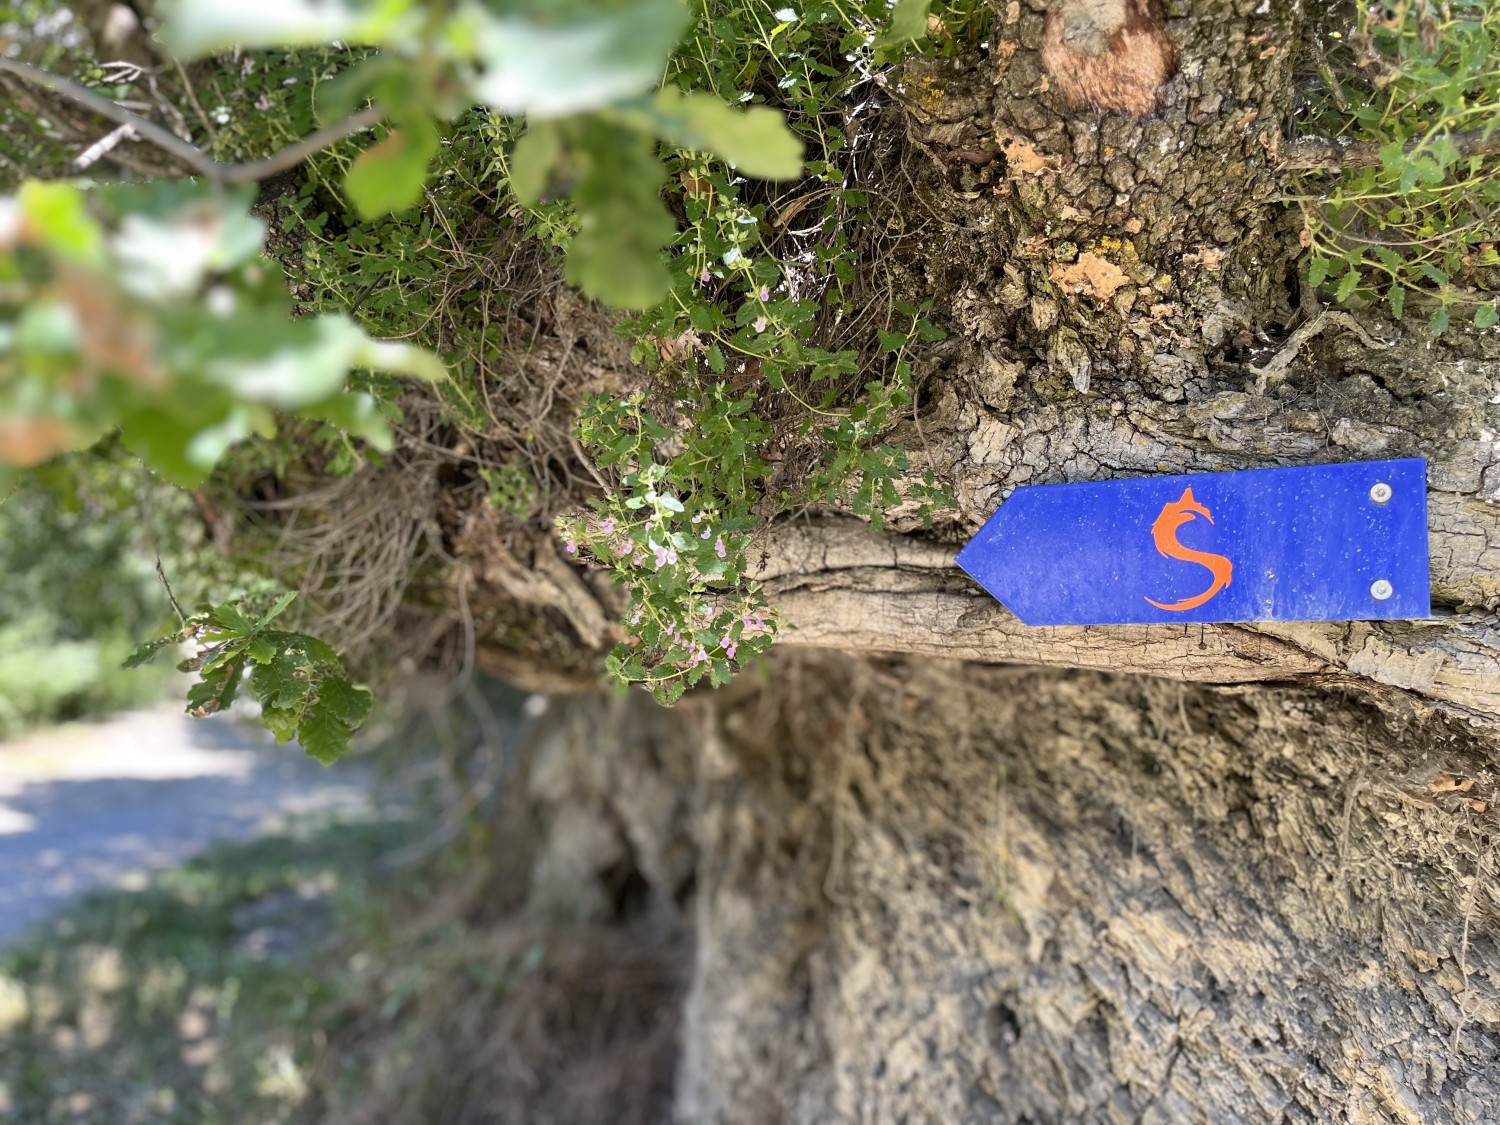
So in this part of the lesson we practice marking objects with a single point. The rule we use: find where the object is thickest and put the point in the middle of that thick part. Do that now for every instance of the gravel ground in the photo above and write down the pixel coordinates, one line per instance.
(96, 805)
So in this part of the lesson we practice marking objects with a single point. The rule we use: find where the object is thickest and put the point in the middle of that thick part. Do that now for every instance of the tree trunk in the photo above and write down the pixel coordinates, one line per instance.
(934, 891)
(1119, 292)
(1250, 874)
(930, 891)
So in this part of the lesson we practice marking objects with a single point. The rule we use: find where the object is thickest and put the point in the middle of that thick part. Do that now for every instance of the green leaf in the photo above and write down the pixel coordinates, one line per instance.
(216, 691)
(388, 176)
(347, 91)
(1486, 316)
(908, 24)
(323, 734)
(312, 361)
(276, 610)
(1392, 158)
(343, 699)
(281, 683)
(1397, 297)
(280, 721)
(1348, 285)
(195, 28)
(757, 142)
(167, 257)
(546, 66)
(60, 220)
(262, 650)
(622, 222)
(1439, 322)
(147, 651)
(670, 692)
(230, 617)
(532, 161)
(1317, 271)
(317, 651)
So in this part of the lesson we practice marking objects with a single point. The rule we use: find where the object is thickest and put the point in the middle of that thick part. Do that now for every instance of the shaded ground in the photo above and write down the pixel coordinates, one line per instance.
(97, 805)
(197, 1000)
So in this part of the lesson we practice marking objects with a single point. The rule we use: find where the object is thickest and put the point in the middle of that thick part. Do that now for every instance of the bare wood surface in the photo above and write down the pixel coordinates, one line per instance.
(841, 585)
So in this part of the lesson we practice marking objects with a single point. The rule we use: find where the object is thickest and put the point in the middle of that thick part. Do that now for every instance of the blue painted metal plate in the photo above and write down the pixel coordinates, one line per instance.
(1299, 544)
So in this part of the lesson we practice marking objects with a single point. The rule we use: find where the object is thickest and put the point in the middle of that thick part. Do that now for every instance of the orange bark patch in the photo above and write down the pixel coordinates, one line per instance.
(1020, 157)
(1090, 276)
(1112, 55)
(1447, 783)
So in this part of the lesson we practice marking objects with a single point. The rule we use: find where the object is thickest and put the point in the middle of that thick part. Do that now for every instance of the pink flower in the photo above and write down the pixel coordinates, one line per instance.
(624, 548)
(706, 534)
(650, 524)
(635, 618)
(572, 547)
(729, 650)
(705, 276)
(661, 557)
(765, 294)
(760, 324)
(719, 547)
(606, 527)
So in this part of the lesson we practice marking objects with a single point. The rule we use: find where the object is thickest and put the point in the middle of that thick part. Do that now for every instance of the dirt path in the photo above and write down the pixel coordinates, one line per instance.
(96, 805)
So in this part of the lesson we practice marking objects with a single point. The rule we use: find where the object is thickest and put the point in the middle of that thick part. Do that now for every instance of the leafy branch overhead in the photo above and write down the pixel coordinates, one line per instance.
(149, 308)
(581, 73)
(298, 680)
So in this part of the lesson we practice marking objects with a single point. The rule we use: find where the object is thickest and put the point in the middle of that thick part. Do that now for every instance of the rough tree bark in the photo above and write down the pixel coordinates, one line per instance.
(1247, 875)
(1201, 873)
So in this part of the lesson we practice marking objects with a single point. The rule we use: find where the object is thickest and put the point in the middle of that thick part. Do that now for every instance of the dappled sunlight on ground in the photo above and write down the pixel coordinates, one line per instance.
(96, 805)
(196, 999)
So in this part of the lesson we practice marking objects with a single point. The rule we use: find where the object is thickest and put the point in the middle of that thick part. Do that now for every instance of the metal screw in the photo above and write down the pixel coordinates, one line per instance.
(1380, 493)
(1380, 590)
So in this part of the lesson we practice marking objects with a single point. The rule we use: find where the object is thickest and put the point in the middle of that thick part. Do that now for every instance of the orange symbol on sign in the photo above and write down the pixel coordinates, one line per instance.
(1164, 531)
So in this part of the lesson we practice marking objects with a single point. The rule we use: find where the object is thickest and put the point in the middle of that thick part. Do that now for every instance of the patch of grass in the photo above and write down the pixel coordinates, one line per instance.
(282, 983)
(195, 999)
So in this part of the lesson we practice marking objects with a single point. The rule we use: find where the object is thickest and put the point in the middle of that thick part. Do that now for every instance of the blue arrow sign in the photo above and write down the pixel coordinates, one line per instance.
(1322, 543)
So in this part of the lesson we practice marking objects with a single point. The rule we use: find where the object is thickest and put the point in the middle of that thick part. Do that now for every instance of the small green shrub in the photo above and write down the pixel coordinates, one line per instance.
(1419, 229)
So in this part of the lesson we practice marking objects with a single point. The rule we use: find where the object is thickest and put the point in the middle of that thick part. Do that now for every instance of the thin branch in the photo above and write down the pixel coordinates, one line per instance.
(187, 85)
(171, 597)
(190, 155)
(1320, 152)
(295, 154)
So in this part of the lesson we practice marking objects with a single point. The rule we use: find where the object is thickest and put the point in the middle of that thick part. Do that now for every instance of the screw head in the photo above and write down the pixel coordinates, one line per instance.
(1380, 493)
(1380, 590)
